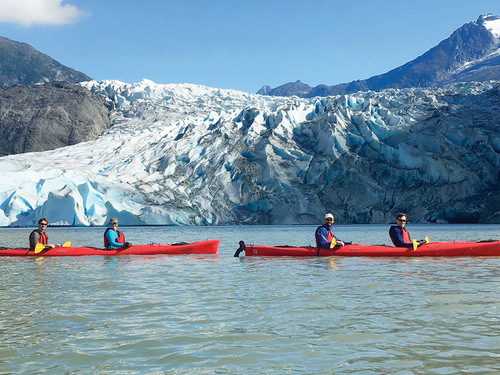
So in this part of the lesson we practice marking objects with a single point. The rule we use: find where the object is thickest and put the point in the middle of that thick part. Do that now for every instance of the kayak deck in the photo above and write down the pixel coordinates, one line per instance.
(202, 247)
(432, 249)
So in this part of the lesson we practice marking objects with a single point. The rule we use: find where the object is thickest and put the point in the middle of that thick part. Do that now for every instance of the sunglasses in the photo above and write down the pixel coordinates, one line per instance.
(114, 223)
(403, 221)
(45, 224)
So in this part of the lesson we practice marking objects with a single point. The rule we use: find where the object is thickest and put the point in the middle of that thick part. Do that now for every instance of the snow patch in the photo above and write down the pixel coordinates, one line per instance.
(492, 24)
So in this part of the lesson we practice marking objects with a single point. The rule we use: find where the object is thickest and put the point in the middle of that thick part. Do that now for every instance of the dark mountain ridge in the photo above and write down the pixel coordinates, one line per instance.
(41, 105)
(21, 64)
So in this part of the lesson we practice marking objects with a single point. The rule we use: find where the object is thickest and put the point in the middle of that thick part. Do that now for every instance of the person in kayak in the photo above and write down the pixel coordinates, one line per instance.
(113, 238)
(400, 236)
(324, 234)
(40, 236)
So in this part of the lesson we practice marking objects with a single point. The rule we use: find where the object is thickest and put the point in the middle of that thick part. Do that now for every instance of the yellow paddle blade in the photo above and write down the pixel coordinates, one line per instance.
(415, 244)
(426, 239)
(333, 243)
(39, 248)
(66, 244)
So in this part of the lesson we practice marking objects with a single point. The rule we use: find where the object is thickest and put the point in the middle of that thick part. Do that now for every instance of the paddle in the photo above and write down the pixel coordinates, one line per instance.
(40, 247)
(333, 243)
(415, 244)
(418, 243)
(240, 249)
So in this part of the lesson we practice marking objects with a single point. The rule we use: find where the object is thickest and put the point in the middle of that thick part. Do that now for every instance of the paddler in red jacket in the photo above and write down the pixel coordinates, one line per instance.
(399, 234)
(324, 234)
(39, 236)
(113, 238)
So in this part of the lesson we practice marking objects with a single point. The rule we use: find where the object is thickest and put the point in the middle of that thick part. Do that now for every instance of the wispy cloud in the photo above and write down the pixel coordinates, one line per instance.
(38, 12)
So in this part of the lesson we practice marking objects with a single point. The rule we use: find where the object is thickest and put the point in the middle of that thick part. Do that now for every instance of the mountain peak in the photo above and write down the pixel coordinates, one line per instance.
(23, 64)
(491, 23)
(470, 53)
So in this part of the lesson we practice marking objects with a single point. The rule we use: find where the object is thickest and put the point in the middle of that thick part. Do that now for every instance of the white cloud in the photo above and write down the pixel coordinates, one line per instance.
(38, 12)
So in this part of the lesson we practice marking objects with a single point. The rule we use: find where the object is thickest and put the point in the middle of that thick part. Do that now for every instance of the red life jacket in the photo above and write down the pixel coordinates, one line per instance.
(44, 238)
(329, 237)
(120, 239)
(405, 235)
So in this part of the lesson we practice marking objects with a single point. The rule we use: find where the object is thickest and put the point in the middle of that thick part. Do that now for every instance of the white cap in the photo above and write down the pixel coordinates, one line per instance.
(328, 215)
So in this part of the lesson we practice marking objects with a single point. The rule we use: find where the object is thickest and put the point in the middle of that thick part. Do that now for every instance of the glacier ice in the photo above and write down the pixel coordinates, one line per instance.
(187, 154)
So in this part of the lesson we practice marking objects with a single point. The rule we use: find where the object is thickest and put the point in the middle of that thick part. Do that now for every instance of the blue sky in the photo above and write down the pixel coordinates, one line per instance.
(236, 44)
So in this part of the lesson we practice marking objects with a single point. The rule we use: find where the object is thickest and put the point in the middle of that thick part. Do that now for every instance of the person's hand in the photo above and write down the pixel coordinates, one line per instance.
(340, 243)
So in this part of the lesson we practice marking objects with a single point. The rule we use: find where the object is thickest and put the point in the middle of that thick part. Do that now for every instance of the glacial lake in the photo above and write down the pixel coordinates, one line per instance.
(216, 314)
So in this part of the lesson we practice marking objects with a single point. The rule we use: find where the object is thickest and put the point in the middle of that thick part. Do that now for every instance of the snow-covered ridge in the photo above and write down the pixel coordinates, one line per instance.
(123, 94)
(189, 154)
(492, 24)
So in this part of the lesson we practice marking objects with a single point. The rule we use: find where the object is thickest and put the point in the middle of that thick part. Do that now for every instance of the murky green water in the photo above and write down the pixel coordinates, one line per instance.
(224, 315)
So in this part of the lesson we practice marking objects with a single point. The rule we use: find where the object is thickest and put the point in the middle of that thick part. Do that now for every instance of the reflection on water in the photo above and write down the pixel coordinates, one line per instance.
(219, 314)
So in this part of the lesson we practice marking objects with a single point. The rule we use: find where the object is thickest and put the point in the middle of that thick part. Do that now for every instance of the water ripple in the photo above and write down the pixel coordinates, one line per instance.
(222, 315)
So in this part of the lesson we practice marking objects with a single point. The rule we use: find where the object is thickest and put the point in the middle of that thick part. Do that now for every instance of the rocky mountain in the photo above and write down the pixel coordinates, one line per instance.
(22, 64)
(471, 53)
(51, 115)
(187, 154)
(297, 88)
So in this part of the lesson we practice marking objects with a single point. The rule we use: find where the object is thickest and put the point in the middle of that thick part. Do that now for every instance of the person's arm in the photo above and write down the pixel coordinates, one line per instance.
(51, 245)
(397, 239)
(34, 239)
(341, 242)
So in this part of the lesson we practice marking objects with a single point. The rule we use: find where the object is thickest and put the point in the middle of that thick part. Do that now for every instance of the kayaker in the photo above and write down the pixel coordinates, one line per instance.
(399, 234)
(324, 234)
(40, 236)
(113, 238)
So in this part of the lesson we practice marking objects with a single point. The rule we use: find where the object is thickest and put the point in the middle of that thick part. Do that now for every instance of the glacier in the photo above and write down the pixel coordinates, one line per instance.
(184, 154)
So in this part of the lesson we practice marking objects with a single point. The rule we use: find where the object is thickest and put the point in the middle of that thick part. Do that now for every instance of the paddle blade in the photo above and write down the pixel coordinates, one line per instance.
(39, 248)
(426, 239)
(333, 243)
(66, 244)
(415, 244)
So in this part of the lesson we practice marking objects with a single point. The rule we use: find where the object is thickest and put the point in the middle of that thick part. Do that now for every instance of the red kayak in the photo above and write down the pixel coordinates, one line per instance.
(431, 249)
(204, 247)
